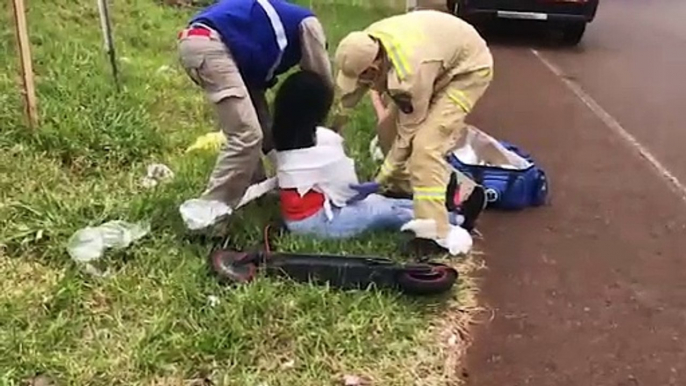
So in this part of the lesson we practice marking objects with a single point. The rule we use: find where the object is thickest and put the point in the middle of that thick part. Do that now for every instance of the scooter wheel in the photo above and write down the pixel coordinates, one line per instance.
(439, 280)
(233, 267)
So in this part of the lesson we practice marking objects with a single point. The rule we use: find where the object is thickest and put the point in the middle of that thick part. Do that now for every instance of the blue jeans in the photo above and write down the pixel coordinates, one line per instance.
(374, 213)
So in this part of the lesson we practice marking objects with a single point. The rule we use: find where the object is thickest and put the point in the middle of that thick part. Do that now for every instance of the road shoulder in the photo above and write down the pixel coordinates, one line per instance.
(591, 289)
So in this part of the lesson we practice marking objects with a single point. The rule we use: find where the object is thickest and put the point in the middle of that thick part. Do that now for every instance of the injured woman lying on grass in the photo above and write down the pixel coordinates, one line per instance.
(320, 194)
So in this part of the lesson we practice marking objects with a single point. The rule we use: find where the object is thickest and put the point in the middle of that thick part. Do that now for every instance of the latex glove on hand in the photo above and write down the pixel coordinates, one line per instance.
(364, 190)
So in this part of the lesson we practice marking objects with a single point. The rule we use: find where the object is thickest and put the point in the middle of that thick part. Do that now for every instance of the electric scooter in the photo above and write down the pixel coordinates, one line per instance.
(344, 272)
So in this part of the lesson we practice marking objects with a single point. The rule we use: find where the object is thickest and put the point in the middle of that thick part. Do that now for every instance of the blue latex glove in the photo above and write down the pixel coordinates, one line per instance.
(363, 190)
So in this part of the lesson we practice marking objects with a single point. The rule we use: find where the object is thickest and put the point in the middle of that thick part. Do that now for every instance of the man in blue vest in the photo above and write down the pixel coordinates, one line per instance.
(234, 50)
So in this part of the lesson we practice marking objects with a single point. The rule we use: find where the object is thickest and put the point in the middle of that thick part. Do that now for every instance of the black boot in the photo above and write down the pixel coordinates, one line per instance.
(419, 248)
(472, 207)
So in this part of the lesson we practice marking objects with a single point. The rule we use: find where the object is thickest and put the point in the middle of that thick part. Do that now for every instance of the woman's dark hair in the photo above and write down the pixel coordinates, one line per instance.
(301, 104)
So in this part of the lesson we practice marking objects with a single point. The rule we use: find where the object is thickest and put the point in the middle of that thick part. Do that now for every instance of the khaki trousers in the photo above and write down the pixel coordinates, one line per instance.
(242, 112)
(427, 173)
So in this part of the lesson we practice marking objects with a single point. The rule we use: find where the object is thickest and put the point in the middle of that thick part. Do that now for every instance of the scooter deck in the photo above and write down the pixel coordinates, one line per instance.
(338, 271)
(342, 272)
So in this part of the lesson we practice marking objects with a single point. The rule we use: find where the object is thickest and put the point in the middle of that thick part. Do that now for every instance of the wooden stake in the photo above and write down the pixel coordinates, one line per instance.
(106, 26)
(26, 64)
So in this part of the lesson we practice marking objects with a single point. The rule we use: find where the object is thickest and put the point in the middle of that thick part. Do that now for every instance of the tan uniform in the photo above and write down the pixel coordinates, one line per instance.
(441, 65)
(242, 111)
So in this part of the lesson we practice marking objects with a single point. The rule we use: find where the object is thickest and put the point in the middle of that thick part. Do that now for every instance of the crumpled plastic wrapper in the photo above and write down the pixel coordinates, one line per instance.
(156, 173)
(88, 244)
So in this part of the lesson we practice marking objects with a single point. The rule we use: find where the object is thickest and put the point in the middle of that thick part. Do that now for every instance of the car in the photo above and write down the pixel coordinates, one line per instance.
(569, 16)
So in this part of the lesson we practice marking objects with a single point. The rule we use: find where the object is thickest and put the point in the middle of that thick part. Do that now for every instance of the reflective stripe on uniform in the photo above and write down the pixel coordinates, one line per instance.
(279, 32)
(436, 193)
(395, 52)
(461, 99)
(485, 72)
(386, 169)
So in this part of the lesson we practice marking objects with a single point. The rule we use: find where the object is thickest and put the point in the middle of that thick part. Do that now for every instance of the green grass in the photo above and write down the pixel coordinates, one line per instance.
(155, 321)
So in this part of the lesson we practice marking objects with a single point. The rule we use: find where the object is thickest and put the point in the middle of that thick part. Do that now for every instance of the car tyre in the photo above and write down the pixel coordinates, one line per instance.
(573, 33)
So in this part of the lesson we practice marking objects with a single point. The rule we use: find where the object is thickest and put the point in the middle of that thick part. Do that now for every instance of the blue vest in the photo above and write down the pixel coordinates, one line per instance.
(263, 35)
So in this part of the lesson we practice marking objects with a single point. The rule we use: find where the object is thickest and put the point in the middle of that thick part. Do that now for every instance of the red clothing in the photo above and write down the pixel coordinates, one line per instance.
(296, 208)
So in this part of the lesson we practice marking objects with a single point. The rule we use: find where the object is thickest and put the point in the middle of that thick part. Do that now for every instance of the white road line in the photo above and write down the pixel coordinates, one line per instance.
(612, 123)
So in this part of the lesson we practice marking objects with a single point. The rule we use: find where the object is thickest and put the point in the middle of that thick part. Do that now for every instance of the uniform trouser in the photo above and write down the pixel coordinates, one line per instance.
(242, 112)
(426, 173)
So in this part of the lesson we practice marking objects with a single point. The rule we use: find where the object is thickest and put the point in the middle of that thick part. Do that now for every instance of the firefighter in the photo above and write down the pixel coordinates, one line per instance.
(234, 50)
(434, 67)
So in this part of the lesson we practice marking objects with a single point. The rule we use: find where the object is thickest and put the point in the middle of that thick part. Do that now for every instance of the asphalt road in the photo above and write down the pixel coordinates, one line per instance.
(592, 289)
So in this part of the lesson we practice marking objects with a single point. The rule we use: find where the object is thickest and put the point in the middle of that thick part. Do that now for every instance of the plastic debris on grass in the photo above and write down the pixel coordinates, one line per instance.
(156, 173)
(213, 300)
(88, 245)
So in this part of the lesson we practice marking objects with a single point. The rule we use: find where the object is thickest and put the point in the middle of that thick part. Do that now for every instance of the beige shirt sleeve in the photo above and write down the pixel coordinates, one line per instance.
(314, 49)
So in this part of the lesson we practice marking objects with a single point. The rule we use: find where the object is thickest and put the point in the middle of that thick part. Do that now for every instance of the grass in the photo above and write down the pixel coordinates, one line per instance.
(161, 319)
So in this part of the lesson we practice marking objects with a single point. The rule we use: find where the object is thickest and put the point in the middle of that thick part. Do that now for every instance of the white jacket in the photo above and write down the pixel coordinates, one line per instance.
(324, 168)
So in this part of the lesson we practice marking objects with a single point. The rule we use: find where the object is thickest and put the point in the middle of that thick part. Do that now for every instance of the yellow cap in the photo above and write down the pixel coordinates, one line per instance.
(355, 53)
